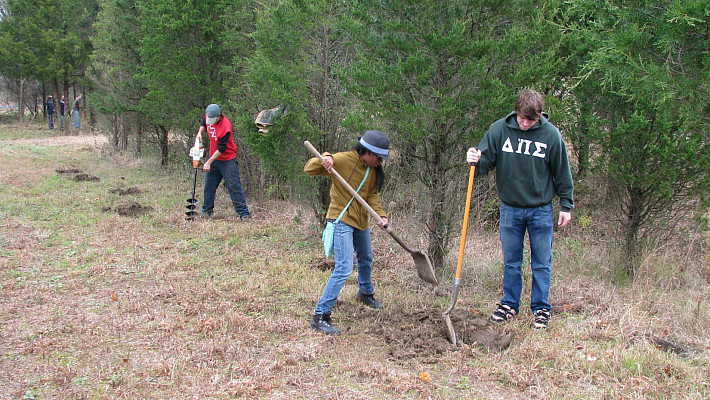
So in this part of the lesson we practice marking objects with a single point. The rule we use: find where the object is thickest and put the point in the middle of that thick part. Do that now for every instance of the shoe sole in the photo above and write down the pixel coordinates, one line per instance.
(324, 332)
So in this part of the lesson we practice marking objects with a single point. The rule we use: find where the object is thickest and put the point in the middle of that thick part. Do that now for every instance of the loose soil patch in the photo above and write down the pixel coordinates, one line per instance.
(421, 335)
(133, 209)
(86, 178)
(68, 171)
(125, 192)
(62, 141)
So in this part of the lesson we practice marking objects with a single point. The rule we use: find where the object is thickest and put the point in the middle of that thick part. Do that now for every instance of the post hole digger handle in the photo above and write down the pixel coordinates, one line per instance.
(450, 332)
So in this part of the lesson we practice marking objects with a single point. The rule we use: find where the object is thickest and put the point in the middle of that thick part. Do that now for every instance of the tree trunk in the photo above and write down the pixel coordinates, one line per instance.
(21, 100)
(65, 93)
(123, 133)
(163, 141)
(114, 123)
(632, 226)
(139, 139)
(437, 220)
(262, 182)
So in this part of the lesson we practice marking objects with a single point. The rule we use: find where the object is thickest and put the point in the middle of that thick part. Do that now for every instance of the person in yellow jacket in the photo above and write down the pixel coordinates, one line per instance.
(352, 233)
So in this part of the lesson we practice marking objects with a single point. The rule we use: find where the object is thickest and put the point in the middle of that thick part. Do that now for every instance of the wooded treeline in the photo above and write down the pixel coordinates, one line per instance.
(626, 82)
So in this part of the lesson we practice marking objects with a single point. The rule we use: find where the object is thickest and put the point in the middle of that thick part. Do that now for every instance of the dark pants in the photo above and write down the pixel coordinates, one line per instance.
(229, 171)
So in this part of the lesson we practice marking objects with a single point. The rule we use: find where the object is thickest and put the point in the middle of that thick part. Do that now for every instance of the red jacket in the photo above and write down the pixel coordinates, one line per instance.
(220, 135)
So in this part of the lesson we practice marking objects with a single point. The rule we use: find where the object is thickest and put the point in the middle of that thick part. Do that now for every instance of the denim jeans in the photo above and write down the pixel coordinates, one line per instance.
(51, 121)
(347, 240)
(539, 222)
(76, 119)
(229, 170)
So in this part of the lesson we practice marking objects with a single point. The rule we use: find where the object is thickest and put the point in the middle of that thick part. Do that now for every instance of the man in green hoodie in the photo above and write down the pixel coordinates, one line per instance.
(531, 165)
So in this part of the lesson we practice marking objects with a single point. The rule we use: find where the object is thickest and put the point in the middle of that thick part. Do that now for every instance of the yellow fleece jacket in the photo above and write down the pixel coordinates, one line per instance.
(352, 169)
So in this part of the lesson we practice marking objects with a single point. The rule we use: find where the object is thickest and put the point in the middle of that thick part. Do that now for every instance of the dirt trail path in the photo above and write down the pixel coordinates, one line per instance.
(61, 141)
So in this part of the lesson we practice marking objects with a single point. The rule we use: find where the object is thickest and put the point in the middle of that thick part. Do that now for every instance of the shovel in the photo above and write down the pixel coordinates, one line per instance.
(421, 260)
(450, 332)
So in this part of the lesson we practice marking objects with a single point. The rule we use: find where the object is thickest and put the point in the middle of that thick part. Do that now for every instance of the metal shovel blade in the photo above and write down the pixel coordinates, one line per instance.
(450, 332)
(424, 267)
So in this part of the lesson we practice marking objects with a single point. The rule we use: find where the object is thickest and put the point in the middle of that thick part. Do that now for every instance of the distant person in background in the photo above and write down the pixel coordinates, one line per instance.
(62, 103)
(50, 111)
(77, 106)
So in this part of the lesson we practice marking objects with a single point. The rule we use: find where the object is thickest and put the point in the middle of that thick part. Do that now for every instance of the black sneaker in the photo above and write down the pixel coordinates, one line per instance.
(321, 322)
(368, 300)
(541, 318)
(503, 313)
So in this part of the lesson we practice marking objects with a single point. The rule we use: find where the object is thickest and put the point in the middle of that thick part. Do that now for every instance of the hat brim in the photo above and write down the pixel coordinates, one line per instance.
(379, 152)
(211, 121)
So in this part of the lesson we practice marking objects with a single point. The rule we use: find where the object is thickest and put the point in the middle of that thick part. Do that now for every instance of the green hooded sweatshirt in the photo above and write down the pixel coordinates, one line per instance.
(531, 166)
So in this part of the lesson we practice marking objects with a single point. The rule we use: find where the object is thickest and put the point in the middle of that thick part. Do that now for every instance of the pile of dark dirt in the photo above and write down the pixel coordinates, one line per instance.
(125, 192)
(85, 178)
(133, 209)
(67, 171)
(324, 264)
(421, 335)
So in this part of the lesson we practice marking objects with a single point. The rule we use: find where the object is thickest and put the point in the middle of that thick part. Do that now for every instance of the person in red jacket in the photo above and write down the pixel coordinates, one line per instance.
(222, 163)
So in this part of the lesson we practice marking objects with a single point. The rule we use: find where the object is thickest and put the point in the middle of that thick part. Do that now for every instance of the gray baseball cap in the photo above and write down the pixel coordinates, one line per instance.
(212, 113)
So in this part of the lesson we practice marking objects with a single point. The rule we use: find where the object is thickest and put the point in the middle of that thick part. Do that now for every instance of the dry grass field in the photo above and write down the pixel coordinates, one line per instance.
(108, 293)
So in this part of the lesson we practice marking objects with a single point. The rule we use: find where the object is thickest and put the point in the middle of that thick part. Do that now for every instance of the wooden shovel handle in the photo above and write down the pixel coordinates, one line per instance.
(350, 189)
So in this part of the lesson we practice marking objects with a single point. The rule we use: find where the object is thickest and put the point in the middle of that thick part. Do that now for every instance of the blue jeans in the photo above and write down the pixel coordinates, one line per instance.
(76, 119)
(538, 221)
(346, 240)
(229, 170)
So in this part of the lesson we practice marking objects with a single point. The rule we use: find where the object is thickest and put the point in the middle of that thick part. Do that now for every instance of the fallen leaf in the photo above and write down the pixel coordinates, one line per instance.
(425, 377)
(114, 296)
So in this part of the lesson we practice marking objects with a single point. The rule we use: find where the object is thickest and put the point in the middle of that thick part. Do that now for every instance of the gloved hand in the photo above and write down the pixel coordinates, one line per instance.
(473, 155)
